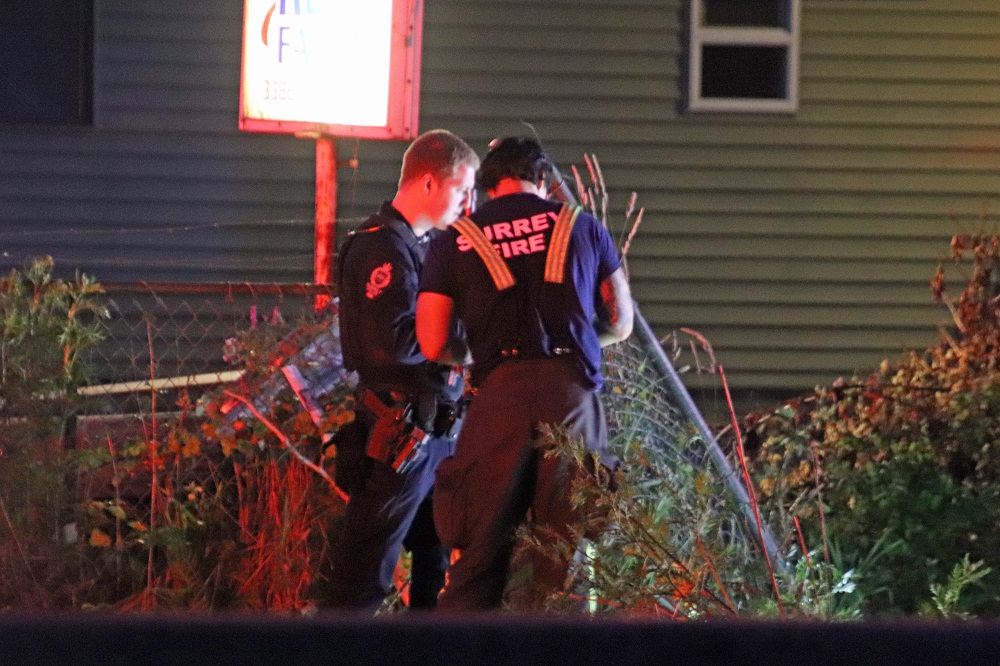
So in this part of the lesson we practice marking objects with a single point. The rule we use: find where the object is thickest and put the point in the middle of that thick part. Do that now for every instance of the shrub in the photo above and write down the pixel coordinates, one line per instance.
(906, 461)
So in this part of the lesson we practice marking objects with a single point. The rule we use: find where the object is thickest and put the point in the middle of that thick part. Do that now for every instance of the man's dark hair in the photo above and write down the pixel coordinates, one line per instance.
(513, 157)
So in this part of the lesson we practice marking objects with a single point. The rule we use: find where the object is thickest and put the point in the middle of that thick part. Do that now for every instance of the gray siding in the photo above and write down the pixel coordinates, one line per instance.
(801, 245)
(163, 186)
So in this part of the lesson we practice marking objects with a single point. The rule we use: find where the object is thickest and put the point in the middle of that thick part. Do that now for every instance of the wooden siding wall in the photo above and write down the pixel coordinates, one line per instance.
(801, 245)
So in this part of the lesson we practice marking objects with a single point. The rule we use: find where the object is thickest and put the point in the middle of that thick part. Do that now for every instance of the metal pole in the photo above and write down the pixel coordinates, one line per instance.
(691, 412)
(562, 192)
(326, 214)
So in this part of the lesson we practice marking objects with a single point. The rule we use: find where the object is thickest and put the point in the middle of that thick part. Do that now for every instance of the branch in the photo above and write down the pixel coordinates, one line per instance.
(288, 444)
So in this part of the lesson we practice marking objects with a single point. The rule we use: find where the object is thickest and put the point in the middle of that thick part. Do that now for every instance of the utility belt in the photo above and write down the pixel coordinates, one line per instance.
(514, 353)
(515, 347)
(511, 350)
(405, 423)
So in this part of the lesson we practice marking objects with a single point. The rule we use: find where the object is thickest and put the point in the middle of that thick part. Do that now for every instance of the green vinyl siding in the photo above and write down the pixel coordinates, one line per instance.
(800, 245)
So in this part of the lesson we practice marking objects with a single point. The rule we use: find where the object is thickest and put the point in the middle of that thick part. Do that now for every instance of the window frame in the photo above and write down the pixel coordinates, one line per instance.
(701, 36)
(57, 69)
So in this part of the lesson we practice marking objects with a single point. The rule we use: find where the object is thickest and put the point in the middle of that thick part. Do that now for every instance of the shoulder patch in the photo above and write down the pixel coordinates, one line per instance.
(380, 278)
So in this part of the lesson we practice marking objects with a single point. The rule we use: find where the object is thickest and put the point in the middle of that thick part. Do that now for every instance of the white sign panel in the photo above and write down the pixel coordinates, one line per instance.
(333, 66)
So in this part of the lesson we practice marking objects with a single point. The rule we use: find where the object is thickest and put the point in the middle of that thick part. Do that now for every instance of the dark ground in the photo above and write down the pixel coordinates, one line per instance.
(496, 639)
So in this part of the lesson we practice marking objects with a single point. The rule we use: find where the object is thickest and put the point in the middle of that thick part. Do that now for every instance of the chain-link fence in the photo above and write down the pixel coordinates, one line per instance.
(163, 338)
(651, 413)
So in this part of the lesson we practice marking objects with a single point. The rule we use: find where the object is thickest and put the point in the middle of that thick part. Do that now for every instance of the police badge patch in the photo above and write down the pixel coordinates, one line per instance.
(378, 280)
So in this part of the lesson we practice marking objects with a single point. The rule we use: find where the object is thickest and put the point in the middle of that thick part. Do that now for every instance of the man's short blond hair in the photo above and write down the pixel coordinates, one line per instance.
(437, 152)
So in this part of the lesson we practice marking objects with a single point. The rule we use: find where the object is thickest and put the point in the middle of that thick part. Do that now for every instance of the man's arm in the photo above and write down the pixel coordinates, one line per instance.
(433, 320)
(614, 323)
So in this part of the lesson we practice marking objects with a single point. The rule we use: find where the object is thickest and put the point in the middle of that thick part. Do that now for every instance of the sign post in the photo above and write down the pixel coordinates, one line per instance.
(331, 68)
(326, 212)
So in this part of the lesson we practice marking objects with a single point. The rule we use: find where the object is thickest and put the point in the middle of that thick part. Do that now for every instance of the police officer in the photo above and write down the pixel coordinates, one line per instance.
(523, 274)
(382, 461)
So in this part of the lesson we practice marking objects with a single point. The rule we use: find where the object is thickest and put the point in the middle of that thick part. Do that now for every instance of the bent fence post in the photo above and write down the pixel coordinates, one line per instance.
(690, 410)
(562, 192)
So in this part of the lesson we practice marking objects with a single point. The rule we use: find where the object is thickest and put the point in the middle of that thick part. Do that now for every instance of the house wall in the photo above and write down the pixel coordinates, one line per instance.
(163, 186)
(800, 245)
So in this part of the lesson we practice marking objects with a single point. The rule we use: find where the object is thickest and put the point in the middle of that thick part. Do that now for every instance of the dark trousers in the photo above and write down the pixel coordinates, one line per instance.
(428, 558)
(497, 474)
(385, 510)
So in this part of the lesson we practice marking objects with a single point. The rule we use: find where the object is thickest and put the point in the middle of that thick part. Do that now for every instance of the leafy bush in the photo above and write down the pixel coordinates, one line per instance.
(45, 326)
(666, 537)
(905, 462)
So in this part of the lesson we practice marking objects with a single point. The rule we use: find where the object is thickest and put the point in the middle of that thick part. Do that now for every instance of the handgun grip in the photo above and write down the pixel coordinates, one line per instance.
(411, 451)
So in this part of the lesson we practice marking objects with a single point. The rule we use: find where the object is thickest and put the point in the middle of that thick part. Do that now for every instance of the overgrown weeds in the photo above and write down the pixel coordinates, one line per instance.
(665, 538)
(203, 511)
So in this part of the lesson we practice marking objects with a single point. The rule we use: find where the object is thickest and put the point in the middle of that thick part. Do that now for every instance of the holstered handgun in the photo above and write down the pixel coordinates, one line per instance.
(395, 440)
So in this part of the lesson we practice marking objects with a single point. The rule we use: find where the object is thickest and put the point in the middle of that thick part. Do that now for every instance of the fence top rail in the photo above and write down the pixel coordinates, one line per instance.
(221, 288)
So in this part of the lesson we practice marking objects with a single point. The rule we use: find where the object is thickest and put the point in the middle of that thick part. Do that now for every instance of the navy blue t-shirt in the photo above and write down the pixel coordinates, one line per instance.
(533, 316)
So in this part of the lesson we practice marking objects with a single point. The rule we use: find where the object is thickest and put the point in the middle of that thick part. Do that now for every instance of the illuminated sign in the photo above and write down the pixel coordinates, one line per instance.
(333, 67)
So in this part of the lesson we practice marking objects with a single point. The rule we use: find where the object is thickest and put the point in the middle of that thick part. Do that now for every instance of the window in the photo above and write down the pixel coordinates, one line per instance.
(744, 56)
(46, 57)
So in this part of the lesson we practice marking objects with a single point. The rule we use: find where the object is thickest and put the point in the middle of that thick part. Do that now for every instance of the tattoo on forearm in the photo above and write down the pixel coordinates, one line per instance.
(610, 306)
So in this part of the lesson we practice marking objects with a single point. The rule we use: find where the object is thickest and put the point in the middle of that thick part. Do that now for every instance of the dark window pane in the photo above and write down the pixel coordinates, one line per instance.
(746, 13)
(754, 72)
(46, 56)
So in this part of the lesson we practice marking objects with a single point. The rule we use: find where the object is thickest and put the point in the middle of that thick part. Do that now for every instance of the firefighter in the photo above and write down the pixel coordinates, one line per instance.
(407, 408)
(522, 273)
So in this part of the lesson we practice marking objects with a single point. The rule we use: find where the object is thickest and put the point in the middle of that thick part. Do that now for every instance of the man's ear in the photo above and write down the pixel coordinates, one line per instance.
(427, 182)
